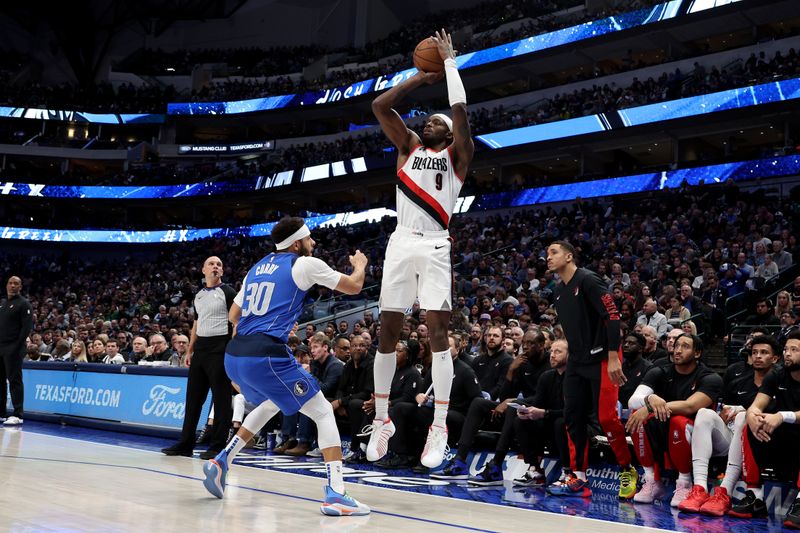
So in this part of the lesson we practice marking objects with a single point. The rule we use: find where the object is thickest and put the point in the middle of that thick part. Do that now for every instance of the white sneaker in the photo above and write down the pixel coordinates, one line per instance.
(651, 490)
(316, 452)
(435, 447)
(682, 490)
(379, 432)
(13, 421)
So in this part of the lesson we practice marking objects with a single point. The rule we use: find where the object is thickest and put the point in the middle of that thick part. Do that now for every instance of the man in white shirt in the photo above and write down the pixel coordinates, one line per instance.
(112, 353)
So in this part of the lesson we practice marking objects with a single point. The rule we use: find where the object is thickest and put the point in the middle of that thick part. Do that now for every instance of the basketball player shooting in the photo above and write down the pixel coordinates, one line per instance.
(417, 265)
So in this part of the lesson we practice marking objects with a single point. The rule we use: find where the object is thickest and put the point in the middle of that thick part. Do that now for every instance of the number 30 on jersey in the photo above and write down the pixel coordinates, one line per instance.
(257, 296)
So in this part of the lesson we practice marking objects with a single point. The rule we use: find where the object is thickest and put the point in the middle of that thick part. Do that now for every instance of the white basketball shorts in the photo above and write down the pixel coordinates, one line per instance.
(417, 266)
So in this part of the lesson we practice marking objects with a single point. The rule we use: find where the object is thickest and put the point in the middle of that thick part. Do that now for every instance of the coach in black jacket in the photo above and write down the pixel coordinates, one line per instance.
(16, 321)
(355, 387)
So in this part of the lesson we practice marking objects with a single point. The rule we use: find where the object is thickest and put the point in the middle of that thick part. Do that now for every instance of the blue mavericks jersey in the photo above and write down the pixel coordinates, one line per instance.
(272, 299)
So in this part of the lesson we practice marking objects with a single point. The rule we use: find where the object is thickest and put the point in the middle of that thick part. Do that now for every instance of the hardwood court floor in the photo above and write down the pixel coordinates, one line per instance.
(52, 483)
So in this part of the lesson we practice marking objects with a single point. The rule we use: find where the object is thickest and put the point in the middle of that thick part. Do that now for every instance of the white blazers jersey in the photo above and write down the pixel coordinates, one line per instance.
(428, 189)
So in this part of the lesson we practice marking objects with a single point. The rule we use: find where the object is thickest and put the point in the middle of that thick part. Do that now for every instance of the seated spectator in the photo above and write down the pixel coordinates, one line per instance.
(180, 346)
(783, 302)
(341, 349)
(634, 365)
(677, 313)
(781, 257)
(63, 352)
(652, 351)
(764, 315)
(159, 349)
(766, 270)
(788, 325)
(139, 350)
(355, 388)
(112, 353)
(651, 317)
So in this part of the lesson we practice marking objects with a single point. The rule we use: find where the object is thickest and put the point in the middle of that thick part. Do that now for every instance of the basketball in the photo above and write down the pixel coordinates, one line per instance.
(426, 56)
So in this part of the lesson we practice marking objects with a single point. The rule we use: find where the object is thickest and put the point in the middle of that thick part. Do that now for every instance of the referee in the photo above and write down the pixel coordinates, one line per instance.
(206, 359)
(16, 321)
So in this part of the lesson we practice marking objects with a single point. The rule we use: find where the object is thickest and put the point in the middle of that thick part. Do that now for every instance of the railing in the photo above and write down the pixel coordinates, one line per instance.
(737, 339)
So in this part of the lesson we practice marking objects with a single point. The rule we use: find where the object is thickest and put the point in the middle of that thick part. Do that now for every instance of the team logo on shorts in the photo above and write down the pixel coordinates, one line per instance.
(300, 387)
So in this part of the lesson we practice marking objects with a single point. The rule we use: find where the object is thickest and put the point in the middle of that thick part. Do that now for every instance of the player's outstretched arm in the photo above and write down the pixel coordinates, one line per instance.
(463, 146)
(352, 284)
(393, 126)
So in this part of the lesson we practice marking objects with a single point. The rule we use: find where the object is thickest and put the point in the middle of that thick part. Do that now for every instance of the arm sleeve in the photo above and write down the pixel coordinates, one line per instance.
(603, 303)
(308, 271)
(636, 400)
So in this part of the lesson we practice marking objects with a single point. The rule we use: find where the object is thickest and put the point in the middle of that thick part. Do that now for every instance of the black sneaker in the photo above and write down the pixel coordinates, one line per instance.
(420, 468)
(792, 518)
(489, 476)
(455, 469)
(396, 462)
(209, 454)
(205, 435)
(355, 457)
(177, 450)
(749, 507)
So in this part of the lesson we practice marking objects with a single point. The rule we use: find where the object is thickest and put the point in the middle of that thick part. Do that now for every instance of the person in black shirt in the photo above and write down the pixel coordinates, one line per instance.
(355, 388)
(720, 434)
(206, 359)
(495, 369)
(666, 403)
(594, 373)
(772, 434)
(16, 322)
(633, 365)
(412, 419)
(521, 380)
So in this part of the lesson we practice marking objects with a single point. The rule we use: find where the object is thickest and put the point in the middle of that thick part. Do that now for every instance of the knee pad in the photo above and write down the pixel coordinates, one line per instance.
(320, 411)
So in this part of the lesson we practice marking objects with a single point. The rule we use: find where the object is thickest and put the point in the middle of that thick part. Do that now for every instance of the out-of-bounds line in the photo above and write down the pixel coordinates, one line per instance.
(274, 493)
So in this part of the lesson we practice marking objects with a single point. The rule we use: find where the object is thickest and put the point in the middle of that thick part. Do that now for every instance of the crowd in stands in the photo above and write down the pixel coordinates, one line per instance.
(754, 69)
(714, 239)
(272, 62)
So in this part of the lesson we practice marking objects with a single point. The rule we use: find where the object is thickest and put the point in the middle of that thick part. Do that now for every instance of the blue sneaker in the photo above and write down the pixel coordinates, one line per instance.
(336, 504)
(216, 470)
(454, 469)
(490, 475)
(571, 486)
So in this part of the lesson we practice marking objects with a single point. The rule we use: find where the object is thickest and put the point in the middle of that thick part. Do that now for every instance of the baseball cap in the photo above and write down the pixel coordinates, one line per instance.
(485, 316)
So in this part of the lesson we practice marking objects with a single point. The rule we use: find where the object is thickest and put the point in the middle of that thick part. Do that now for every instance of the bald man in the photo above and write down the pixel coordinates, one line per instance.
(16, 321)
(205, 356)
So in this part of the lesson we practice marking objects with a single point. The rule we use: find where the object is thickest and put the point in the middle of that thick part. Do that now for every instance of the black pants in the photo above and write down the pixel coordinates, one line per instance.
(478, 416)
(207, 370)
(11, 371)
(780, 453)
(412, 422)
(357, 419)
(534, 435)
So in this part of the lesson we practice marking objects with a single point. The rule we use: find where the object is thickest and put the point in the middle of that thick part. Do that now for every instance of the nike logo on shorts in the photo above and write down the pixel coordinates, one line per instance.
(438, 247)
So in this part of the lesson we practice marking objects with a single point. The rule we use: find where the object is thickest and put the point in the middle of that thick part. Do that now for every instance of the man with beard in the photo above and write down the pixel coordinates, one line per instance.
(772, 434)
(355, 388)
(720, 434)
(633, 364)
(522, 379)
(259, 362)
(666, 403)
(16, 321)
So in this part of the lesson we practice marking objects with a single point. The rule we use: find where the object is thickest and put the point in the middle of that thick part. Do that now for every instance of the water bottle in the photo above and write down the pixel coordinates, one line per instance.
(175, 360)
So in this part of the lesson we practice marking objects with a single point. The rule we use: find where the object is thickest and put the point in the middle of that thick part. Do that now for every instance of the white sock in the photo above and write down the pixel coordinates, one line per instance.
(384, 367)
(649, 473)
(335, 479)
(700, 471)
(442, 374)
(234, 447)
(685, 478)
(580, 475)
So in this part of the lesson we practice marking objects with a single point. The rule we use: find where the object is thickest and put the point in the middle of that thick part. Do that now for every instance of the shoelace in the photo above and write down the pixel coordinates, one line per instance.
(439, 435)
(625, 479)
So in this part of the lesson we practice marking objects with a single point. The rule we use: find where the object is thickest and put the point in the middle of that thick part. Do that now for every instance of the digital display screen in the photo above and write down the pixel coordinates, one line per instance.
(81, 116)
(740, 171)
(536, 43)
(777, 91)
(204, 149)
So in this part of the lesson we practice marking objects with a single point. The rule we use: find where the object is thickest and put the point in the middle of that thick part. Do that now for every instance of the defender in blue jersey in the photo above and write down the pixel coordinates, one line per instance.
(259, 362)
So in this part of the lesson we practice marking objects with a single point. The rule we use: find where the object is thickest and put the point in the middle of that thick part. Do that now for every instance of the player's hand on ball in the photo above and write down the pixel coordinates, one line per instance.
(358, 260)
(431, 77)
(445, 43)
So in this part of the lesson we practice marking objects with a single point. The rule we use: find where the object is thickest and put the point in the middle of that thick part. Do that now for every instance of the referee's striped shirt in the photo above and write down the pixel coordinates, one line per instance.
(211, 307)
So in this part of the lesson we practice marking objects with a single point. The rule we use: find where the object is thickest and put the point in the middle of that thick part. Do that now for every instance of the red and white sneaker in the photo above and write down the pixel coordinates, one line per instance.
(435, 447)
(682, 489)
(380, 431)
(718, 504)
(695, 500)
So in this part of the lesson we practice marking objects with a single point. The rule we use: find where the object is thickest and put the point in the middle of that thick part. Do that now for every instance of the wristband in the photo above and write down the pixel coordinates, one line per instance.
(455, 87)
(647, 404)
(788, 416)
